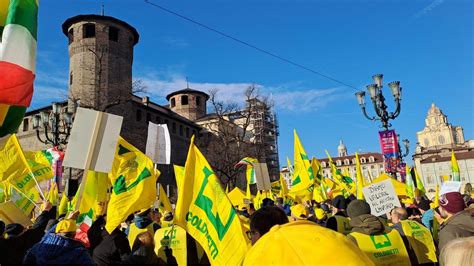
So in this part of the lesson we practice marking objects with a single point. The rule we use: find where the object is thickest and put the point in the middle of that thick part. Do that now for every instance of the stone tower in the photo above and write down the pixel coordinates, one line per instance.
(100, 60)
(341, 149)
(188, 103)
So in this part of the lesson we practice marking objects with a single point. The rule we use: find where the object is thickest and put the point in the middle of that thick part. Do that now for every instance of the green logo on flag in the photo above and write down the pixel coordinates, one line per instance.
(120, 185)
(205, 203)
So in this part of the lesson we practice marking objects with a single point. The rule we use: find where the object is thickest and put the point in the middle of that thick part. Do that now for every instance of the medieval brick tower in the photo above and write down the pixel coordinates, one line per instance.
(188, 103)
(100, 60)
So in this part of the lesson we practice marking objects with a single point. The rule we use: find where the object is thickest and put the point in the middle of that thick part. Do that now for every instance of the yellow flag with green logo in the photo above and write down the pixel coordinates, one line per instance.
(360, 179)
(206, 213)
(303, 177)
(133, 180)
(345, 183)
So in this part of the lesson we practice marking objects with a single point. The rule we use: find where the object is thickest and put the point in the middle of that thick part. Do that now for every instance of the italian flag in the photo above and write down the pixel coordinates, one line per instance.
(18, 30)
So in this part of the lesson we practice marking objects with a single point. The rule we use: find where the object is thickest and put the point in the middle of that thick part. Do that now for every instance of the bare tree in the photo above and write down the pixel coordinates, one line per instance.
(231, 134)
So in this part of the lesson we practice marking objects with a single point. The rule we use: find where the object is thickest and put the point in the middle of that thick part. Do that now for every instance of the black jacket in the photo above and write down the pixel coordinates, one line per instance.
(13, 249)
(107, 249)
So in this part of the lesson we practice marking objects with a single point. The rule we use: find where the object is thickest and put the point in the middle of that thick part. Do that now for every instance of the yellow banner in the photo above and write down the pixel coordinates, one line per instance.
(206, 213)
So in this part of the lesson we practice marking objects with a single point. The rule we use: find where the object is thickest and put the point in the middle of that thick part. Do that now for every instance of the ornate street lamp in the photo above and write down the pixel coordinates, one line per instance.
(56, 125)
(378, 100)
(406, 144)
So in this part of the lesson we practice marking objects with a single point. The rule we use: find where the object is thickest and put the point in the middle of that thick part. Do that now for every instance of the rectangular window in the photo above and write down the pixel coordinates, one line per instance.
(70, 78)
(113, 34)
(180, 130)
(184, 100)
(198, 100)
(89, 30)
(25, 124)
(148, 117)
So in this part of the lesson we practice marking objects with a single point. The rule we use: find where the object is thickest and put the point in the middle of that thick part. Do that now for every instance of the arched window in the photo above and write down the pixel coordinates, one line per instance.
(184, 100)
(323, 164)
(363, 160)
(88, 30)
(354, 161)
(371, 159)
(346, 162)
(198, 100)
(338, 163)
(70, 35)
(173, 102)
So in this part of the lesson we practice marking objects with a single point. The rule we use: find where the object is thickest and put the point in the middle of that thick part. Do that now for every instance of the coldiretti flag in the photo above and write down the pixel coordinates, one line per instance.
(206, 213)
(303, 177)
(455, 168)
(133, 182)
(18, 29)
(250, 171)
(344, 182)
(360, 179)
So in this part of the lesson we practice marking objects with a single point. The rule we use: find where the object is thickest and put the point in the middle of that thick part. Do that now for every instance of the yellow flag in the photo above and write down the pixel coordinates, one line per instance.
(345, 183)
(18, 174)
(95, 187)
(63, 208)
(455, 167)
(284, 187)
(178, 174)
(133, 180)
(53, 194)
(164, 202)
(419, 183)
(435, 203)
(303, 177)
(206, 213)
(360, 179)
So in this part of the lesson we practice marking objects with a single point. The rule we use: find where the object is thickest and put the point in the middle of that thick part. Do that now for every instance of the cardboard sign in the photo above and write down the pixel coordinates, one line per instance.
(381, 197)
(93, 140)
(158, 143)
(262, 177)
(10, 213)
(450, 186)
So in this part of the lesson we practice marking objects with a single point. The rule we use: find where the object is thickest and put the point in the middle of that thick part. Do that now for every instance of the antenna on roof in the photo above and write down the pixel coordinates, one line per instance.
(102, 8)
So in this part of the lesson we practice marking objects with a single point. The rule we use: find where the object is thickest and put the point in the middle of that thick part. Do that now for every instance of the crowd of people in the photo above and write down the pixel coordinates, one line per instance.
(341, 229)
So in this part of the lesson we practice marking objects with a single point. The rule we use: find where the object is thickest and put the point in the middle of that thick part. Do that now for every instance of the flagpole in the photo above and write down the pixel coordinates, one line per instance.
(37, 185)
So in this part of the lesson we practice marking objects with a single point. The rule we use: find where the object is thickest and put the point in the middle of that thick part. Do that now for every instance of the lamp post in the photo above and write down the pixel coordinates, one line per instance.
(56, 125)
(378, 100)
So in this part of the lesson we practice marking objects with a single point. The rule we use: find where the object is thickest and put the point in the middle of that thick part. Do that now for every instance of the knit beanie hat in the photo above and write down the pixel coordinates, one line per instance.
(357, 208)
(452, 202)
(339, 202)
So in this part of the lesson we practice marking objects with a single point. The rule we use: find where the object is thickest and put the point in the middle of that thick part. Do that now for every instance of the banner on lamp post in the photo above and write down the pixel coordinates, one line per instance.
(390, 151)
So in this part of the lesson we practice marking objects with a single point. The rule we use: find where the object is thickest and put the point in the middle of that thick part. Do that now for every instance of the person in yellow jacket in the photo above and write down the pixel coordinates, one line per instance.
(381, 244)
(144, 221)
(417, 238)
(339, 221)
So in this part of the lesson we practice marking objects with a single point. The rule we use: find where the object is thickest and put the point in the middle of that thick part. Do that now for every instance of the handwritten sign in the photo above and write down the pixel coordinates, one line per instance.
(158, 144)
(381, 197)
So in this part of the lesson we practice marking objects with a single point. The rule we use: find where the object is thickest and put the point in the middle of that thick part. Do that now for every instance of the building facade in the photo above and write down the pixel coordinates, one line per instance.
(433, 152)
(100, 78)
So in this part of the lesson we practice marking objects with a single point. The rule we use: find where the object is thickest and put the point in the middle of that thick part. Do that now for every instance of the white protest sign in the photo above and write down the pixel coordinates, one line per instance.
(450, 186)
(261, 176)
(93, 140)
(158, 143)
(10, 213)
(381, 197)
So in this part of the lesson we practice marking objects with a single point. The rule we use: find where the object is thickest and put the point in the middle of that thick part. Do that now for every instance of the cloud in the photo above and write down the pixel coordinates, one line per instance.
(286, 97)
(428, 8)
(175, 42)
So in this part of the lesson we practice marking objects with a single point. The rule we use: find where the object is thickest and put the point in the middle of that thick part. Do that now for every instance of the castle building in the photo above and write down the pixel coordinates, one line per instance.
(100, 78)
(433, 152)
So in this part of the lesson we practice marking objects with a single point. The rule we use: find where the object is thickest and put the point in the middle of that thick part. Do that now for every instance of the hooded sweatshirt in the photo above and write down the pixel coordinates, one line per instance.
(459, 225)
(55, 249)
(367, 224)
